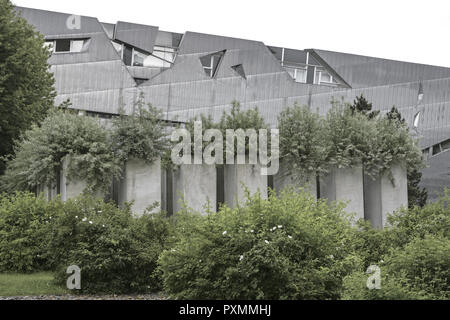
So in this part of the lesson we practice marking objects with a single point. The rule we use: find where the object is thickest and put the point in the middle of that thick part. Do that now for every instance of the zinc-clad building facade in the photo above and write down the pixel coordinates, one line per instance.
(101, 67)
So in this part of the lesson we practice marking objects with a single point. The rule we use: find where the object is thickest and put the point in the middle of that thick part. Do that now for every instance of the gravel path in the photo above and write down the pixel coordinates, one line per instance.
(89, 297)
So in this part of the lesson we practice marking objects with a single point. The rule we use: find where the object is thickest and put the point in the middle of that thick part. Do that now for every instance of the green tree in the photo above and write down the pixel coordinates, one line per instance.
(26, 83)
(364, 107)
(394, 114)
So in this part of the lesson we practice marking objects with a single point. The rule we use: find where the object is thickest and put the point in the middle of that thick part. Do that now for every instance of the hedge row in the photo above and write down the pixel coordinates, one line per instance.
(285, 247)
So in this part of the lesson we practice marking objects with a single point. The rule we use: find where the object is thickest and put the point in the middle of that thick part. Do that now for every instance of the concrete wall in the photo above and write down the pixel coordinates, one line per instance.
(196, 184)
(70, 188)
(381, 197)
(347, 185)
(284, 179)
(141, 183)
(248, 174)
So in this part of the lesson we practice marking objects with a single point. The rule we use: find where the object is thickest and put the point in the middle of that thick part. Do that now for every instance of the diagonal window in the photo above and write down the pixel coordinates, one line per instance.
(211, 63)
(239, 69)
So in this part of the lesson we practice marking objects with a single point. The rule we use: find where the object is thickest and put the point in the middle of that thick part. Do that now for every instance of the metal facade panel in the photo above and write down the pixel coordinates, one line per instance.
(255, 62)
(168, 39)
(109, 29)
(193, 42)
(136, 35)
(185, 68)
(144, 72)
(52, 23)
(97, 80)
(362, 71)
(94, 76)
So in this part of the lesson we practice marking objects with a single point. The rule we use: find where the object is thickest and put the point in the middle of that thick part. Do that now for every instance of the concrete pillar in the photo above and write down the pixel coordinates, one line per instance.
(141, 183)
(284, 179)
(49, 192)
(381, 197)
(345, 185)
(196, 184)
(236, 176)
(70, 188)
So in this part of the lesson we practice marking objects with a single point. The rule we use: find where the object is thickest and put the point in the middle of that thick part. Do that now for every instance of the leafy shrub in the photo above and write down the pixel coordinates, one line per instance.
(303, 144)
(245, 120)
(141, 135)
(290, 247)
(234, 119)
(371, 244)
(392, 145)
(418, 222)
(116, 252)
(350, 135)
(377, 143)
(238, 119)
(40, 153)
(413, 253)
(420, 270)
(207, 124)
(23, 220)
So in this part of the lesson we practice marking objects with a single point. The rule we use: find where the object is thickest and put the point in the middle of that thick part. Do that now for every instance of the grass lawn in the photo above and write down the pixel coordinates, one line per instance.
(13, 284)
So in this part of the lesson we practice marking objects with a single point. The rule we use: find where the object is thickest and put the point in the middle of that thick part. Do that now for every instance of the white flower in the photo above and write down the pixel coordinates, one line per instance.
(266, 241)
(241, 257)
(90, 222)
(84, 219)
(99, 211)
(50, 218)
(280, 226)
(331, 256)
(103, 225)
(76, 217)
(290, 237)
(224, 233)
(252, 231)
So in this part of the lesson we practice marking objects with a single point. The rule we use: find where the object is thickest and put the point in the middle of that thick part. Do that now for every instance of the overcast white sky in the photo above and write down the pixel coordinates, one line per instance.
(416, 31)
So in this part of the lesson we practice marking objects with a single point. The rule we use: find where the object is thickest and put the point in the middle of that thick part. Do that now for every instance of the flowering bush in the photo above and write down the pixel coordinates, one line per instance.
(115, 251)
(290, 247)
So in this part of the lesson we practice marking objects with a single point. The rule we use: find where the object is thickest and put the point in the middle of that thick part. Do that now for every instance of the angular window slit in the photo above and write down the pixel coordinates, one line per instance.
(239, 69)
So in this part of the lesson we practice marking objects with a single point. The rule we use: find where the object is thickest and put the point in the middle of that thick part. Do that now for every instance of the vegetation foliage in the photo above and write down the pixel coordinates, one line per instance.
(348, 136)
(26, 83)
(285, 247)
(93, 153)
(290, 247)
(81, 140)
(141, 134)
